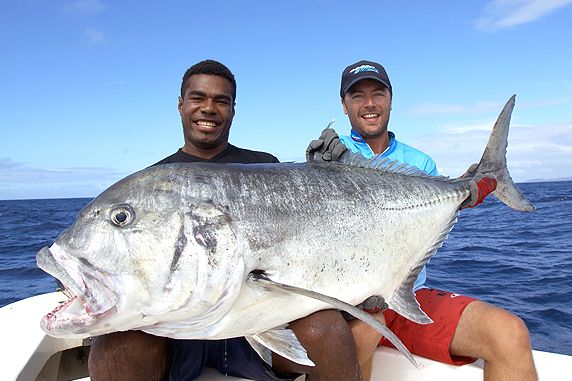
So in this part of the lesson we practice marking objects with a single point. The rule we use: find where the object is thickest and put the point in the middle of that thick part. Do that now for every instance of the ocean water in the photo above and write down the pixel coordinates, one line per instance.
(519, 261)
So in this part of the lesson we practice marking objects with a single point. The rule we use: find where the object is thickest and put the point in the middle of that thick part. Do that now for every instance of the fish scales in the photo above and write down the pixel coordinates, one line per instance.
(299, 223)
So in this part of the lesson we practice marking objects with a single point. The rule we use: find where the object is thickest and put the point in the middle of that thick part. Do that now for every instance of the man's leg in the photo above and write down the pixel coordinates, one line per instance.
(330, 345)
(366, 340)
(126, 356)
(499, 338)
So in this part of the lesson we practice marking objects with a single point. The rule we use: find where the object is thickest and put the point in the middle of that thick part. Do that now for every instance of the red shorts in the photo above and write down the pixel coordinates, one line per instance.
(431, 340)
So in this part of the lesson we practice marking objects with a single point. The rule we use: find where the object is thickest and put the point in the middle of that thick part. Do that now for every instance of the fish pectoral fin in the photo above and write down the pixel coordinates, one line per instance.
(261, 279)
(283, 342)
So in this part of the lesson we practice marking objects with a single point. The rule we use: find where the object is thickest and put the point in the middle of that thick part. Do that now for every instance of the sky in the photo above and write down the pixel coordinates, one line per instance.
(90, 87)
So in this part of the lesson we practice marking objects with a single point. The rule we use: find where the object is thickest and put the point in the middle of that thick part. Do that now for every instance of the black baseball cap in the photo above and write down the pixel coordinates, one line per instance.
(362, 70)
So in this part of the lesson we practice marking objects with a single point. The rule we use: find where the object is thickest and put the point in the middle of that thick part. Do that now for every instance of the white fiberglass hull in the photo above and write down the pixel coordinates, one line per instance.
(27, 353)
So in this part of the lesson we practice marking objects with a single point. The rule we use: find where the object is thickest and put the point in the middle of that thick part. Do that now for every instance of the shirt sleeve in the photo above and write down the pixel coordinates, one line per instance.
(431, 167)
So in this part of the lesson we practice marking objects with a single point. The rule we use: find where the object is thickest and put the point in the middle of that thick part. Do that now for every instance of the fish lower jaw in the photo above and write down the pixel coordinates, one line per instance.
(66, 319)
(73, 318)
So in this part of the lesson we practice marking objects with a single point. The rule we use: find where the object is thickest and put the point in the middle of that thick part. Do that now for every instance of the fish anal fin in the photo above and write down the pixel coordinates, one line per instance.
(405, 304)
(403, 301)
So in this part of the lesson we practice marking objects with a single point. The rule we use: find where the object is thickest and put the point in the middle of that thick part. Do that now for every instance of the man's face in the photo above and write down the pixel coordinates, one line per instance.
(206, 112)
(368, 104)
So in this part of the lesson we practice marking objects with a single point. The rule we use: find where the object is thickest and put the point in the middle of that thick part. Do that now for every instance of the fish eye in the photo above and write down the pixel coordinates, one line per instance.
(122, 215)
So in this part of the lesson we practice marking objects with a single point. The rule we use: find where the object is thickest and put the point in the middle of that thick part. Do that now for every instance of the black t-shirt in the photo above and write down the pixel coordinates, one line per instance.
(231, 154)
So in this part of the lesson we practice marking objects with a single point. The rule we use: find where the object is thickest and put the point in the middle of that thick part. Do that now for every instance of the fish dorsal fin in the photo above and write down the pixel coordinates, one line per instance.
(403, 301)
(380, 163)
(282, 341)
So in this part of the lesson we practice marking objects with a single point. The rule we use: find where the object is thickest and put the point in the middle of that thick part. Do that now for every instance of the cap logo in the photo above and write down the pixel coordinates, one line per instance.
(361, 68)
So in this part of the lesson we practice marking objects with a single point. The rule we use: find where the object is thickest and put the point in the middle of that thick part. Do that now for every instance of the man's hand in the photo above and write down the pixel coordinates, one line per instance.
(480, 187)
(371, 305)
(327, 147)
(471, 171)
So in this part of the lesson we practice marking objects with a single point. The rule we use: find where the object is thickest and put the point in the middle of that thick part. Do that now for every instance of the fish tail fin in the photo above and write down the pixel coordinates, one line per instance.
(493, 163)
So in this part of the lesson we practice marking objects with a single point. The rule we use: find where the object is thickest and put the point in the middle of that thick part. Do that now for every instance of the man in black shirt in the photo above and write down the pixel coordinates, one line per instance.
(206, 106)
(231, 154)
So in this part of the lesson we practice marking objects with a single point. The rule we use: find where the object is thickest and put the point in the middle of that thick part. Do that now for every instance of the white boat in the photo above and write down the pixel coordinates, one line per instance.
(28, 354)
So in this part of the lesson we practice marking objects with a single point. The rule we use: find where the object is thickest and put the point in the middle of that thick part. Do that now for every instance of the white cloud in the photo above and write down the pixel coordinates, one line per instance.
(466, 128)
(534, 151)
(432, 108)
(501, 14)
(19, 180)
(82, 7)
(94, 36)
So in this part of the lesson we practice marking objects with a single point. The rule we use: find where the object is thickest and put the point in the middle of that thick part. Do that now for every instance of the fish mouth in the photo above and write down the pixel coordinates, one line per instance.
(90, 294)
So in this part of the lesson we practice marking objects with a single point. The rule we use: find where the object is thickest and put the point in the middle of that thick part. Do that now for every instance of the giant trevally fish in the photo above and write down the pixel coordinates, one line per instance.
(212, 251)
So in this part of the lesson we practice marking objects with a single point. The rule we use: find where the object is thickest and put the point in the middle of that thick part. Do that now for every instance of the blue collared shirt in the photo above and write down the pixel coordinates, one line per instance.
(402, 153)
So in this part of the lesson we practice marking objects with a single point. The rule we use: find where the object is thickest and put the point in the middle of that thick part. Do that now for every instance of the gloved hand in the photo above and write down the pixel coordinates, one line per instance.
(371, 305)
(471, 171)
(327, 147)
(480, 187)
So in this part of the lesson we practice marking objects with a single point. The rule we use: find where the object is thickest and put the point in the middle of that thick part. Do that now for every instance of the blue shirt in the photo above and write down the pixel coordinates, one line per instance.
(402, 153)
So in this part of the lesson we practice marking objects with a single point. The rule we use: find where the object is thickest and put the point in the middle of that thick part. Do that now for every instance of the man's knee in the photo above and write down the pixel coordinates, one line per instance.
(509, 351)
(323, 328)
(516, 336)
(127, 356)
(328, 340)
(507, 334)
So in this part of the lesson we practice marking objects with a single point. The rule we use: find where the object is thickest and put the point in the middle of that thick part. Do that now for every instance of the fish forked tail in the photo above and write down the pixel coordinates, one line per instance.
(493, 163)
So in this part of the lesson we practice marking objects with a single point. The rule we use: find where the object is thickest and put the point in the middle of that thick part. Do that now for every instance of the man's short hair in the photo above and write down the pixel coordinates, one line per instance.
(210, 67)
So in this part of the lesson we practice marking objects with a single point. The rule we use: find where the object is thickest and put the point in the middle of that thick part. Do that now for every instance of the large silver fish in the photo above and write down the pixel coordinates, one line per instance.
(207, 251)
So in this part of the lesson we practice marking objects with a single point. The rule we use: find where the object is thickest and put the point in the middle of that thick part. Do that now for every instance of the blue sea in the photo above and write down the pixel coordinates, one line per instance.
(519, 261)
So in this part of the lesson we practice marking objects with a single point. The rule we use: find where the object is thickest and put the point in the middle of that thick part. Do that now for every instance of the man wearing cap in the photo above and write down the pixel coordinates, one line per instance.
(465, 328)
